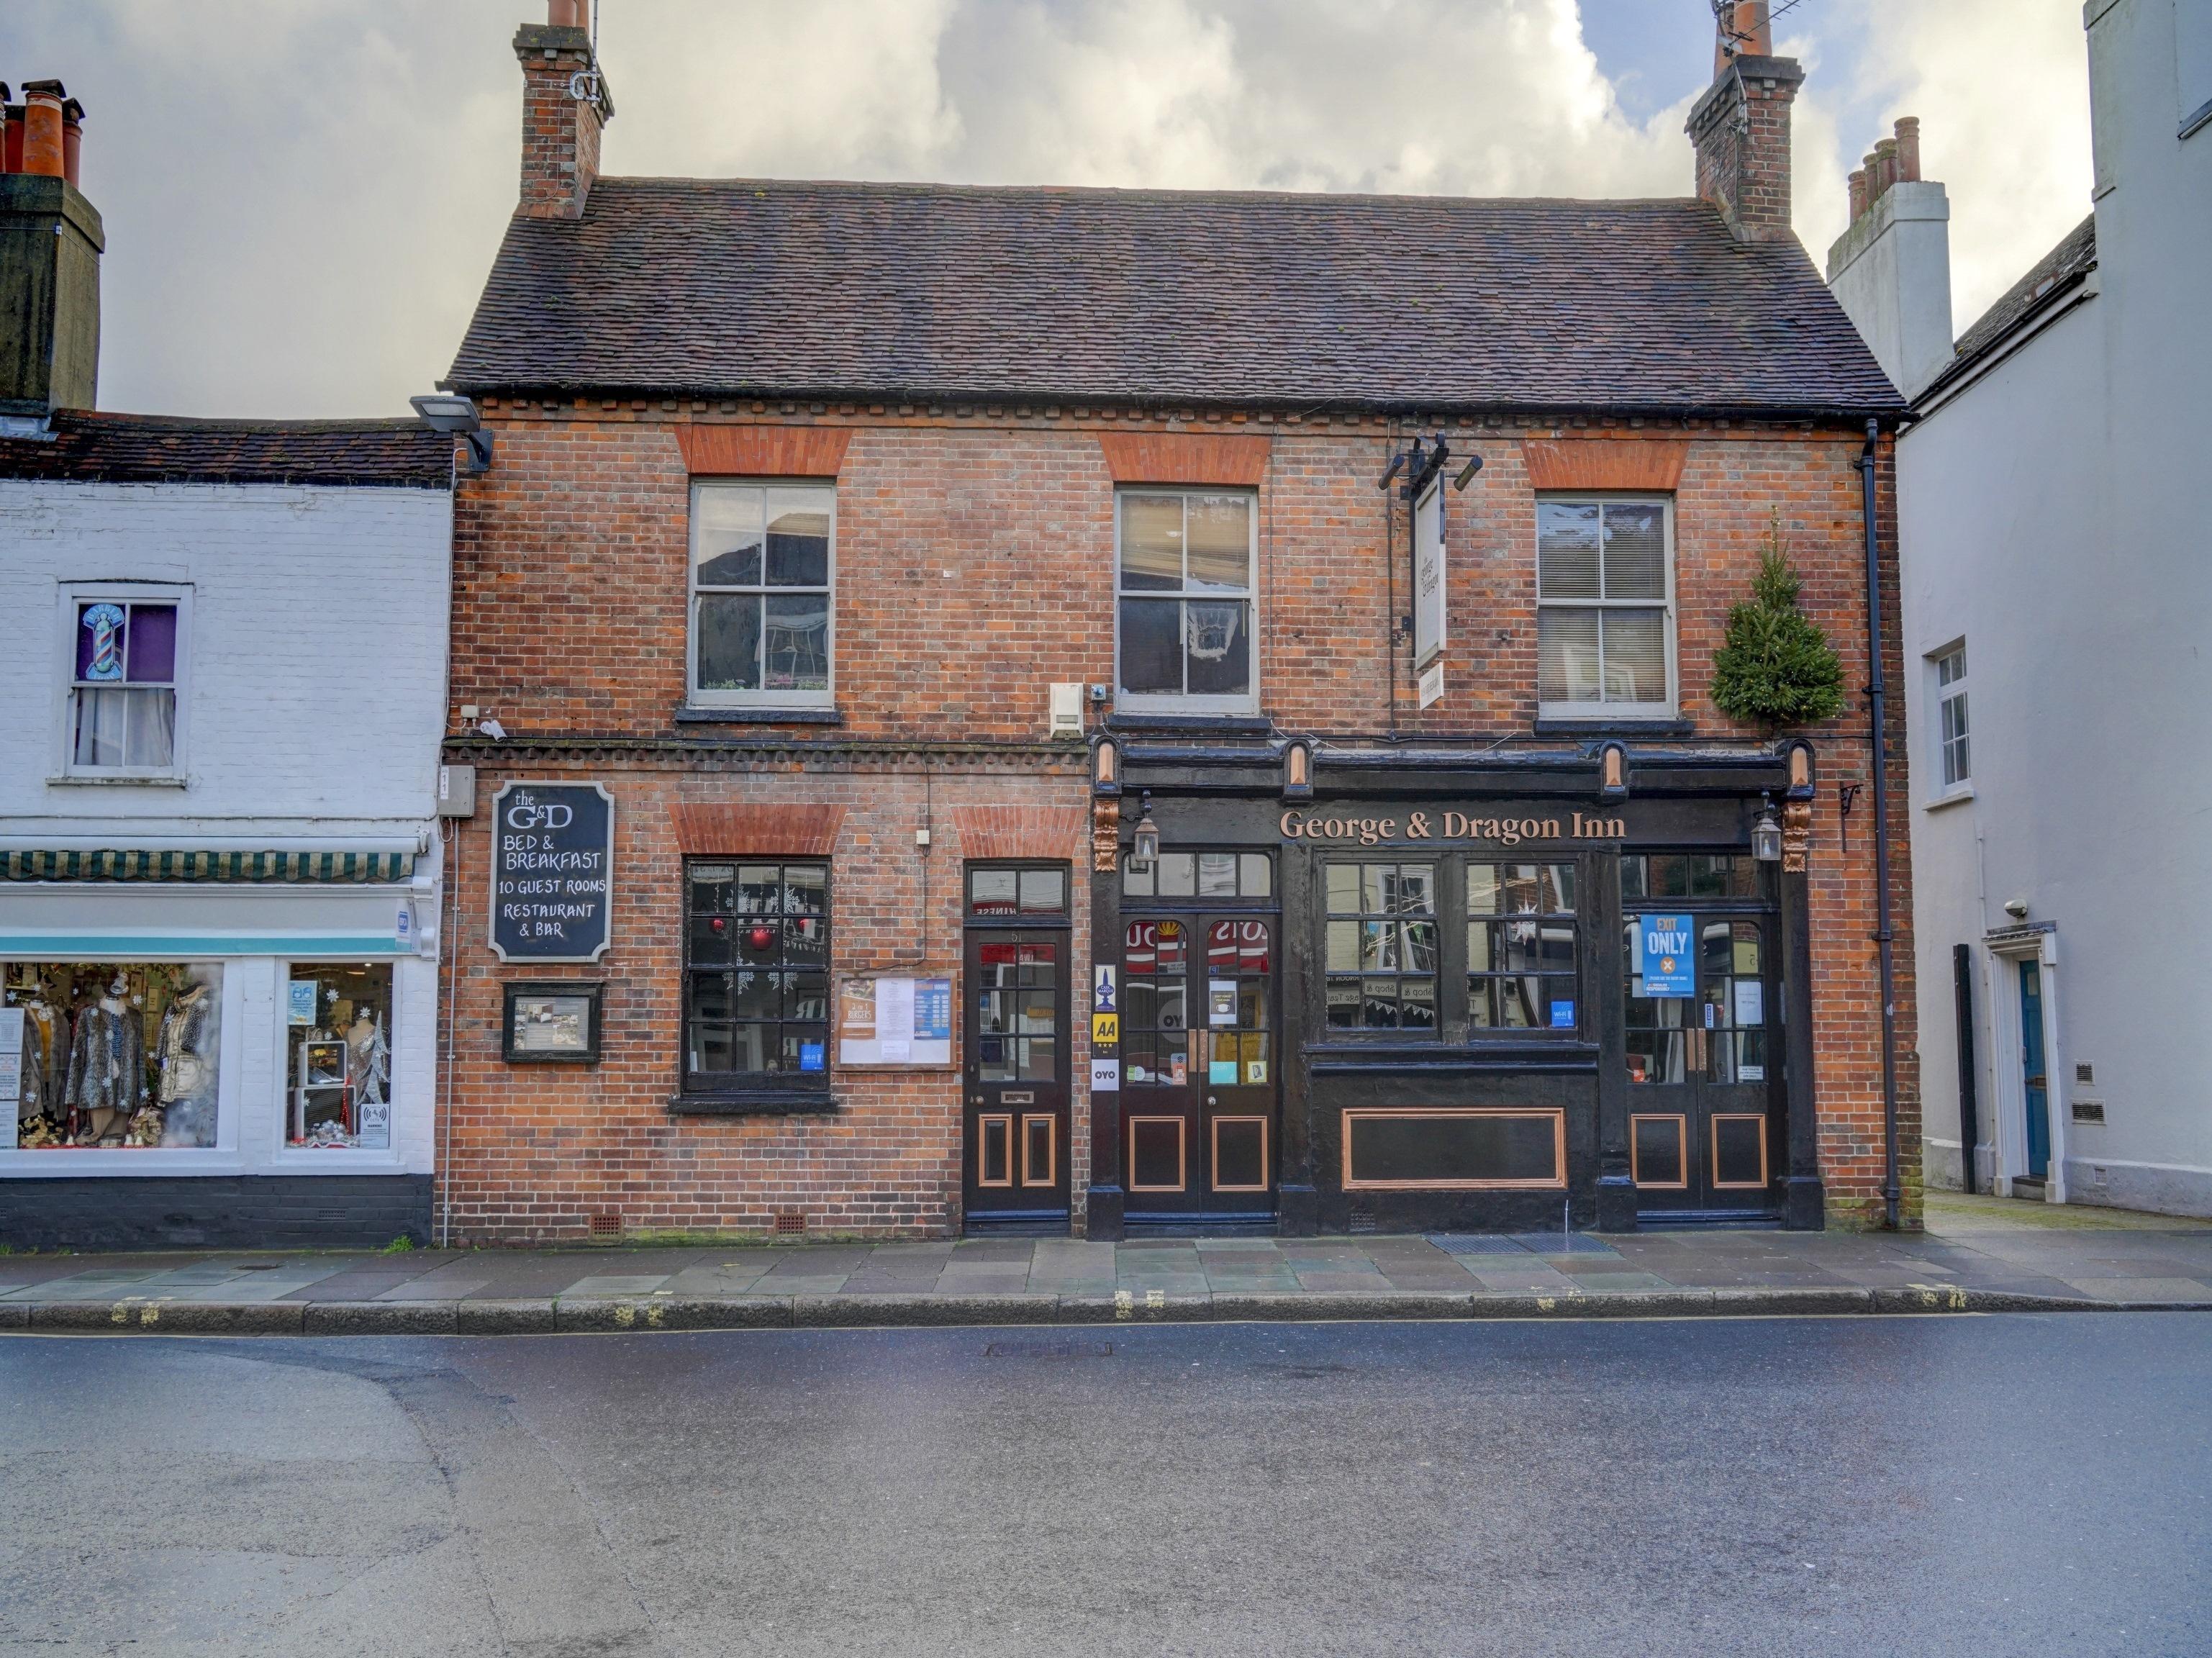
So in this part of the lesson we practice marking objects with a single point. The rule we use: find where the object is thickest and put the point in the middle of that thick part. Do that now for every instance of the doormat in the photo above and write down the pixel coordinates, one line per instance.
(1475, 1244)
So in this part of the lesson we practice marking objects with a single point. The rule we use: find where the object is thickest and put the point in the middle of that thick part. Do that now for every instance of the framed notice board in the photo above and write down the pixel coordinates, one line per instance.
(895, 1022)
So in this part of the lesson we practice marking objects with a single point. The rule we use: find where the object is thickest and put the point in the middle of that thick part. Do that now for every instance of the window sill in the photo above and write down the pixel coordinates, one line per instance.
(1954, 798)
(1227, 725)
(164, 780)
(1654, 724)
(690, 714)
(761, 1102)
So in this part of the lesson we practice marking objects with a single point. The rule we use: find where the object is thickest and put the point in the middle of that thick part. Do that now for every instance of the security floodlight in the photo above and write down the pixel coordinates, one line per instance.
(444, 412)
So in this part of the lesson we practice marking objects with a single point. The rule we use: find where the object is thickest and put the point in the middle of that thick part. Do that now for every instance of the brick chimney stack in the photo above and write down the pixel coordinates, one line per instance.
(1741, 127)
(565, 104)
(50, 241)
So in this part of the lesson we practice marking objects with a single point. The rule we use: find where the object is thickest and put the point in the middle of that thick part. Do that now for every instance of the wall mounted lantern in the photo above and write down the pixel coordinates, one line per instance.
(1105, 768)
(1766, 833)
(1613, 772)
(1297, 770)
(1144, 847)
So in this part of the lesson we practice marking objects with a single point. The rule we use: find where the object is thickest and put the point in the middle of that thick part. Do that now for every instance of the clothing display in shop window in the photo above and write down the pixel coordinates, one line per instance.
(108, 1058)
(36, 1098)
(371, 1060)
(186, 1091)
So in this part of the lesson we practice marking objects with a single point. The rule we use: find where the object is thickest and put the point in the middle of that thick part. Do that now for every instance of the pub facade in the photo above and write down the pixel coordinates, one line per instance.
(1058, 711)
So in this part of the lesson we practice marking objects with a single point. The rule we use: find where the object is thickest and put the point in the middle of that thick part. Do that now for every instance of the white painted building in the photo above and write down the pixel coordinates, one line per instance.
(222, 659)
(2057, 568)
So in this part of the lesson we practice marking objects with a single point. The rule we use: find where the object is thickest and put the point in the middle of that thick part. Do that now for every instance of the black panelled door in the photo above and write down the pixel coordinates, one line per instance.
(1703, 1045)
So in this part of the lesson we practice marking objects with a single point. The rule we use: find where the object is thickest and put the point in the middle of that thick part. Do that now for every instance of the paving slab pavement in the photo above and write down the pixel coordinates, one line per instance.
(1976, 1253)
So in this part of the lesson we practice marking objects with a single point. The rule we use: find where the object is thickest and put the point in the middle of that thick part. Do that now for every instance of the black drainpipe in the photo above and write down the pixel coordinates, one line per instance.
(1891, 1196)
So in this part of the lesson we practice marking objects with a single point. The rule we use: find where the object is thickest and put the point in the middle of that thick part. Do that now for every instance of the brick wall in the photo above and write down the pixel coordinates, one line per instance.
(974, 567)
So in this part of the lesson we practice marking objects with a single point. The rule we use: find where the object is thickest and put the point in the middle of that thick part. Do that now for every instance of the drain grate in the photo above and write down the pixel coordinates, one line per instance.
(1562, 1243)
(1475, 1244)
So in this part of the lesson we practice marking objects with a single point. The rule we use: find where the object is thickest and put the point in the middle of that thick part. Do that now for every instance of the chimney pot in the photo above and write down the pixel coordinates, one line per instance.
(1908, 150)
(42, 127)
(1858, 194)
(72, 141)
(568, 14)
(1885, 164)
(1744, 30)
(11, 142)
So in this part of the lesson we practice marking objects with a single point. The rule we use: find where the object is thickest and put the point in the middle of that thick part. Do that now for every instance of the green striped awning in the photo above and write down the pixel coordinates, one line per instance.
(140, 865)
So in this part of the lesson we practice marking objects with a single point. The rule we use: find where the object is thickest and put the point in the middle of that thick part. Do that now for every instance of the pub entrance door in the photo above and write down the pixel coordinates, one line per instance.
(1199, 1079)
(1015, 1071)
(1704, 1039)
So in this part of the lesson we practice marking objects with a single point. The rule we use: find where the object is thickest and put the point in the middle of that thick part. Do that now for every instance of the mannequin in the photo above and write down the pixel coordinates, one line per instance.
(107, 1078)
(372, 1057)
(185, 1092)
(37, 1099)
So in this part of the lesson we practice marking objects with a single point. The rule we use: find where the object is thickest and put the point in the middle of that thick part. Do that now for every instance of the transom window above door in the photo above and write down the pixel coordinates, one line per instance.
(1183, 612)
(1605, 618)
(764, 559)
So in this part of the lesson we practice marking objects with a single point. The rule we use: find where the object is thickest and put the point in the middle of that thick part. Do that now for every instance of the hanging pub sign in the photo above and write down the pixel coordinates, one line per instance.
(1663, 956)
(1429, 581)
(552, 872)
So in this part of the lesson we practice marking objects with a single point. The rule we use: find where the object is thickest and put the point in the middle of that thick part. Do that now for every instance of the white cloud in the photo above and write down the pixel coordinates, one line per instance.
(2002, 89)
(301, 200)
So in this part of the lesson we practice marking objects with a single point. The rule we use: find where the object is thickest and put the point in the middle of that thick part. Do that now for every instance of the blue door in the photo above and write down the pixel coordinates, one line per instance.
(2031, 1069)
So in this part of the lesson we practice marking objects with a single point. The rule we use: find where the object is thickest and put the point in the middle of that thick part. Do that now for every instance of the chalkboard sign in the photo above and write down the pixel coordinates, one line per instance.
(552, 872)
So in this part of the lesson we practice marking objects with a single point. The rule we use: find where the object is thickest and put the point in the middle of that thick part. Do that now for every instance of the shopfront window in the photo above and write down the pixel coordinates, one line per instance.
(1200, 875)
(1382, 946)
(756, 974)
(338, 1039)
(111, 1054)
(1521, 947)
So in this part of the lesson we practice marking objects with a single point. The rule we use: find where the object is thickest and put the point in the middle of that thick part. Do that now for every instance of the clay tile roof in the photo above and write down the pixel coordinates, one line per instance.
(921, 292)
(93, 447)
(2050, 280)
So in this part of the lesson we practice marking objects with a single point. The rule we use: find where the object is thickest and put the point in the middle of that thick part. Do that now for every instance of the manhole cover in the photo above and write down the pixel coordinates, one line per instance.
(1049, 1350)
(1562, 1243)
(1475, 1244)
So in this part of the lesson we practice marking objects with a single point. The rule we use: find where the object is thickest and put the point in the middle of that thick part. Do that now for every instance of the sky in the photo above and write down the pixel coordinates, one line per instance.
(302, 198)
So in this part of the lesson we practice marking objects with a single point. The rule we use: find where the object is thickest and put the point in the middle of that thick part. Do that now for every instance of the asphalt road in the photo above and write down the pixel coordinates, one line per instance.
(1862, 1486)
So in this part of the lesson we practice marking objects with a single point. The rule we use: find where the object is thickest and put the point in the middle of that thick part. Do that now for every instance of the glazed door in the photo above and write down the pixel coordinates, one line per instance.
(1198, 1065)
(2034, 1084)
(1700, 1005)
(1017, 1075)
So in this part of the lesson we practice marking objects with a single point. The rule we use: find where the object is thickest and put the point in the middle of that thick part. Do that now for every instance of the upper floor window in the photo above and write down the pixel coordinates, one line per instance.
(1952, 759)
(1605, 621)
(1183, 587)
(126, 654)
(764, 557)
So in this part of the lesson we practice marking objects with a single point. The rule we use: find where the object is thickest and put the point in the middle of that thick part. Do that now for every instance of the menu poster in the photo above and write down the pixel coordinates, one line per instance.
(11, 1058)
(895, 1022)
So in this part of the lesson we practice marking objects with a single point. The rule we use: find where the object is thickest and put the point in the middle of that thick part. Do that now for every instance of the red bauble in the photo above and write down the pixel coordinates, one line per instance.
(761, 937)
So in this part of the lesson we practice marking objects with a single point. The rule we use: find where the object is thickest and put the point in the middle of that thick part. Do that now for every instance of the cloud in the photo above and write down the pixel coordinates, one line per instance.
(301, 200)
(2002, 89)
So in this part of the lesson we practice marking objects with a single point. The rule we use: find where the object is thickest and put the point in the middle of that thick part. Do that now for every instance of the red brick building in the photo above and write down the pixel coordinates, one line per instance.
(979, 607)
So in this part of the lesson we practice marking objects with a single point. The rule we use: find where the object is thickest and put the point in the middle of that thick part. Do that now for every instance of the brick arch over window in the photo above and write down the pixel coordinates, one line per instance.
(1653, 464)
(737, 829)
(763, 452)
(1004, 832)
(1201, 458)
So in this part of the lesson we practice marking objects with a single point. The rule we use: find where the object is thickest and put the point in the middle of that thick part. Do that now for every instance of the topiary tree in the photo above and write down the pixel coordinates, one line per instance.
(1774, 667)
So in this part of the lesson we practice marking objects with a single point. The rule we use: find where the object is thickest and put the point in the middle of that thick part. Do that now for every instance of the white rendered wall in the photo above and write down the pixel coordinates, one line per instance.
(314, 708)
(317, 655)
(2053, 515)
(1891, 271)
